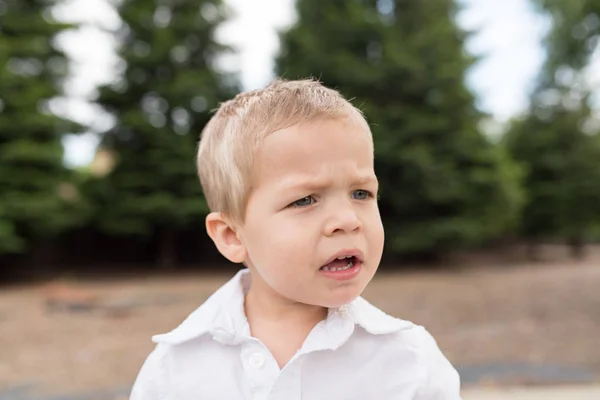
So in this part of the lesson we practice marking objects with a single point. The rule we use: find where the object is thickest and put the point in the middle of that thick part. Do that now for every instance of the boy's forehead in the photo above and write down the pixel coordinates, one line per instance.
(310, 149)
(315, 137)
(313, 133)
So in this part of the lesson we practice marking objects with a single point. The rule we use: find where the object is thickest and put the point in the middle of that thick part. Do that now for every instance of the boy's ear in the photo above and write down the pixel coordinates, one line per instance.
(224, 236)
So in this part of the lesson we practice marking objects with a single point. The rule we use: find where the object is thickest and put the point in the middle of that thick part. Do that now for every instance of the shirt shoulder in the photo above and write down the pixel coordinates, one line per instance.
(440, 380)
(150, 383)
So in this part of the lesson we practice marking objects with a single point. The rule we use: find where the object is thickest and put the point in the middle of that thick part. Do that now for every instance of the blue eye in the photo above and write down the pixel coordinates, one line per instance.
(303, 202)
(361, 194)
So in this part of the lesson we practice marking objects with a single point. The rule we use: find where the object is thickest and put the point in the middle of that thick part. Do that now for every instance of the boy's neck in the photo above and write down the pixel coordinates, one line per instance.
(280, 324)
(267, 306)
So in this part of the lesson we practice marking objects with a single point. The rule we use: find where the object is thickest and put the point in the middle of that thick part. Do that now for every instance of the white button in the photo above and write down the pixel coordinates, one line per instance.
(257, 360)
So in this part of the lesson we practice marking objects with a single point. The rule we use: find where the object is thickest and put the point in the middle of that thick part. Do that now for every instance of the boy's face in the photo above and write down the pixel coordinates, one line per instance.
(314, 199)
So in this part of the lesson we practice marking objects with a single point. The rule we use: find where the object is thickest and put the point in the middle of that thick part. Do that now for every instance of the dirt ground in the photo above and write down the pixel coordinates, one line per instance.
(71, 337)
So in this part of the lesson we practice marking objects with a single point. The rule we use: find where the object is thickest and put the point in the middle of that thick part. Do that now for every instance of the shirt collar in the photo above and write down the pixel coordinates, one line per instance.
(222, 316)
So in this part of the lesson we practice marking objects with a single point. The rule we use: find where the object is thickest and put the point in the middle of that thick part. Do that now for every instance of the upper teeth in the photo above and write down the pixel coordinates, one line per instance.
(342, 257)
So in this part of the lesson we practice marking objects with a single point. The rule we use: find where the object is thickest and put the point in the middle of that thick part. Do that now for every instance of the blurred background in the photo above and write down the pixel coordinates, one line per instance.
(486, 121)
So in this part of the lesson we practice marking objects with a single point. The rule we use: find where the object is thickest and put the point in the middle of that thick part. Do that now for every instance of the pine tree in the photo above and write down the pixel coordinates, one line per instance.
(573, 36)
(36, 192)
(443, 184)
(558, 141)
(168, 89)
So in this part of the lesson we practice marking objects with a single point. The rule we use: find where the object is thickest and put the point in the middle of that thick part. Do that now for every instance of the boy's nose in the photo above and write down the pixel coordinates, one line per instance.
(343, 219)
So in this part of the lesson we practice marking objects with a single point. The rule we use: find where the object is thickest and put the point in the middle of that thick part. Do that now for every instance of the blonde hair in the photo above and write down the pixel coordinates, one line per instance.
(230, 139)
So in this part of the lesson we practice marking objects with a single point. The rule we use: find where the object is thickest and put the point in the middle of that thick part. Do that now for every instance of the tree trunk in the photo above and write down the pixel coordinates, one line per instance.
(43, 260)
(167, 249)
(533, 250)
(577, 247)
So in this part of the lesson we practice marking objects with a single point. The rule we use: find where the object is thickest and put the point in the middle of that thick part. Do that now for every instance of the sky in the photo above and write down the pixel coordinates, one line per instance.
(508, 38)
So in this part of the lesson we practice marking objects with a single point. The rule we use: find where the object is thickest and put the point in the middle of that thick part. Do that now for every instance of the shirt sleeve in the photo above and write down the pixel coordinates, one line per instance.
(441, 380)
(150, 382)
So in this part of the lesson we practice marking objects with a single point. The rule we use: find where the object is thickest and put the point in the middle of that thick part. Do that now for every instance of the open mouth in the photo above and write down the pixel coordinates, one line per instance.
(343, 263)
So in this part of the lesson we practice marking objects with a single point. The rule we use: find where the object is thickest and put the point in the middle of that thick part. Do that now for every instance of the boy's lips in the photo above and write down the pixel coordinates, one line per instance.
(346, 253)
(344, 265)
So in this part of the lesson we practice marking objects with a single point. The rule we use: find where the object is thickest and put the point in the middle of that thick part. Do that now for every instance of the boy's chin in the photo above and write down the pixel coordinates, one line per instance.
(340, 301)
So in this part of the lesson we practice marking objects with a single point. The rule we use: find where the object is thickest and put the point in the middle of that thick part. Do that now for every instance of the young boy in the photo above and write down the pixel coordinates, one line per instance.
(288, 175)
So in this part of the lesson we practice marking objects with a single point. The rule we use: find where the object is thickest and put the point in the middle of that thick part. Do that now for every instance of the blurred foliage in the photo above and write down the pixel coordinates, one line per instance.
(161, 103)
(573, 36)
(39, 199)
(563, 175)
(443, 183)
(558, 140)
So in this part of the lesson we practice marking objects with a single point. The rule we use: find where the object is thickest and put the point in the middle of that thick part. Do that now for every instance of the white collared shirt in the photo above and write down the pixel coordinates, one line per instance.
(357, 353)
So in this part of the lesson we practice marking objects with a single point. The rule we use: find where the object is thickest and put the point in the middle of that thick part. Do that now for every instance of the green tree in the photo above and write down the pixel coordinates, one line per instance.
(558, 140)
(443, 183)
(573, 36)
(168, 89)
(36, 193)
(563, 175)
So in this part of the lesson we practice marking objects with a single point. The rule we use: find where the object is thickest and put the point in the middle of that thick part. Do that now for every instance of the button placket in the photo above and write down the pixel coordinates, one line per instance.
(256, 360)
(289, 383)
(260, 368)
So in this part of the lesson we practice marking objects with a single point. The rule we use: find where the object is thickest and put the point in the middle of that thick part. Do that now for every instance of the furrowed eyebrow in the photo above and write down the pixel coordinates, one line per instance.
(307, 184)
(316, 184)
(362, 180)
